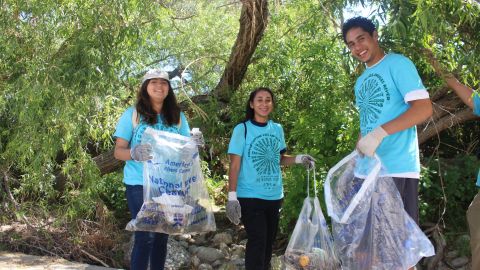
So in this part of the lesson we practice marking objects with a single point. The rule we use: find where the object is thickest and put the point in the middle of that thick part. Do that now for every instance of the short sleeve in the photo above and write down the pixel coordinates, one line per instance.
(184, 127)
(476, 103)
(237, 141)
(124, 129)
(283, 145)
(407, 80)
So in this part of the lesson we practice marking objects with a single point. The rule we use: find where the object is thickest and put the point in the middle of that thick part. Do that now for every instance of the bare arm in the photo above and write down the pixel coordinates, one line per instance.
(287, 160)
(462, 91)
(122, 151)
(235, 161)
(419, 111)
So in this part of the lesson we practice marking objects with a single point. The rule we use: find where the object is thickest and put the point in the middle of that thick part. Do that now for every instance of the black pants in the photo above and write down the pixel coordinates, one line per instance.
(260, 218)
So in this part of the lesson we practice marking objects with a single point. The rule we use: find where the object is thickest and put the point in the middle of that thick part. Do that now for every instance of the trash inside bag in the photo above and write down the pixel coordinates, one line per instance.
(370, 228)
(175, 198)
(310, 246)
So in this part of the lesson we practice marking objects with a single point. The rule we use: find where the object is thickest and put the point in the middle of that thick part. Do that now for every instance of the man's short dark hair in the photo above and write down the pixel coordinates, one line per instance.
(362, 22)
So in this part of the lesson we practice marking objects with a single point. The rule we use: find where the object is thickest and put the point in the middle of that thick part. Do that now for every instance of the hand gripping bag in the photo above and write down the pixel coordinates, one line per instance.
(370, 228)
(175, 198)
(310, 245)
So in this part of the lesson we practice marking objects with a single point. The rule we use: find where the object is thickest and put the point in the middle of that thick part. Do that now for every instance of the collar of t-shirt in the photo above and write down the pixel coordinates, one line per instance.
(258, 124)
(379, 61)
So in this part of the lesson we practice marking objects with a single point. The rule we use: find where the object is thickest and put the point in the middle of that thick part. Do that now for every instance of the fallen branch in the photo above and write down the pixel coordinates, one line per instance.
(94, 258)
(42, 249)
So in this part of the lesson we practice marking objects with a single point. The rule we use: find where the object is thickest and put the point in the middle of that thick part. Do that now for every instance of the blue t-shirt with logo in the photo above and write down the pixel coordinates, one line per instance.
(133, 170)
(260, 175)
(382, 94)
(476, 111)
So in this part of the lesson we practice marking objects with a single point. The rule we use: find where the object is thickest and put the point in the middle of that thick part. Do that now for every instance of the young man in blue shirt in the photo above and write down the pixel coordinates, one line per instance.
(391, 100)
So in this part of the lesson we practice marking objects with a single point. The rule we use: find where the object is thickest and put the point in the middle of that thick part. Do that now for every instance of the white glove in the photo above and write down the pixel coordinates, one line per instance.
(307, 160)
(368, 145)
(233, 209)
(141, 152)
(197, 136)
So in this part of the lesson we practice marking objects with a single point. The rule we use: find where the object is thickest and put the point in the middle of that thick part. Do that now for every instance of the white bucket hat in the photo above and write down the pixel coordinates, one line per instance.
(155, 74)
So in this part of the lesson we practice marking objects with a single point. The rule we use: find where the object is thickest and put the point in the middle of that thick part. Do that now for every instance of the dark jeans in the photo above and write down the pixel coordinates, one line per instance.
(149, 246)
(260, 218)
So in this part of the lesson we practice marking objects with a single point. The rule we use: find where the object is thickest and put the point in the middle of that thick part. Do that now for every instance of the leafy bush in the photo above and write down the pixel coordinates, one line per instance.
(111, 191)
(446, 189)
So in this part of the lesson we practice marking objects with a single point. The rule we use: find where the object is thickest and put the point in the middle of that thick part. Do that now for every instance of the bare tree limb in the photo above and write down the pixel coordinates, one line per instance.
(184, 18)
(94, 258)
(107, 163)
(253, 21)
(435, 126)
(229, 4)
(448, 109)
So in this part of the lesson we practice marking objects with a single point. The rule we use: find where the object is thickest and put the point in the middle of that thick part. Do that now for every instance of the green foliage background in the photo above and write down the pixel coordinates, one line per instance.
(69, 69)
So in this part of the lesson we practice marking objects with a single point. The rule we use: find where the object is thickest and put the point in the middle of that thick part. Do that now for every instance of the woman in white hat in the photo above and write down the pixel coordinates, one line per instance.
(156, 107)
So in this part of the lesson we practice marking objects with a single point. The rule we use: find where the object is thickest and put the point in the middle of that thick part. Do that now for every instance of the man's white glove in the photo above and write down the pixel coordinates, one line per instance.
(307, 160)
(233, 209)
(141, 152)
(197, 136)
(368, 145)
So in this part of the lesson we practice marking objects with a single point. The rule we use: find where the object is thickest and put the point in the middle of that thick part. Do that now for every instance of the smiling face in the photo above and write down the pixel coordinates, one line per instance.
(157, 89)
(364, 46)
(262, 106)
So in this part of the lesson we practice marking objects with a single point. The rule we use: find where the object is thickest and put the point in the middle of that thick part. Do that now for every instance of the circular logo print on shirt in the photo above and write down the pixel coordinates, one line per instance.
(371, 97)
(264, 152)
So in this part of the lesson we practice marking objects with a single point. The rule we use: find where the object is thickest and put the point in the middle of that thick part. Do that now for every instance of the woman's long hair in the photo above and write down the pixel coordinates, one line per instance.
(170, 109)
(249, 112)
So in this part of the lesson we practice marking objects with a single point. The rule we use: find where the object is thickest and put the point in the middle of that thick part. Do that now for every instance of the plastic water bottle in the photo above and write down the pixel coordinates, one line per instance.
(196, 133)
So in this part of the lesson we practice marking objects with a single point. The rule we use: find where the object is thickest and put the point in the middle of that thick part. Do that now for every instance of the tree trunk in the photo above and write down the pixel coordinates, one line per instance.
(253, 21)
(107, 163)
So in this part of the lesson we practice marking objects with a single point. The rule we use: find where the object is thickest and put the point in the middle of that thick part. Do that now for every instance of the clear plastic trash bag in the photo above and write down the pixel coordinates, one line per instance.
(175, 198)
(310, 246)
(370, 228)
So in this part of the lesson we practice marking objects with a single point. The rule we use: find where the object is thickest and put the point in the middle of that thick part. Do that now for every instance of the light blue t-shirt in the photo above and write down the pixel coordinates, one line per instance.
(133, 170)
(260, 175)
(476, 111)
(382, 94)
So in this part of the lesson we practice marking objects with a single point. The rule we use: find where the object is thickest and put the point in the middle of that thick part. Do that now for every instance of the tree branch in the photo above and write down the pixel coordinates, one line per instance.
(107, 163)
(253, 21)
(435, 126)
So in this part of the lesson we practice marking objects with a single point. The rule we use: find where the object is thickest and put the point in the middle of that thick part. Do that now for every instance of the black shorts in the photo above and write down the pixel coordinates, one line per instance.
(408, 188)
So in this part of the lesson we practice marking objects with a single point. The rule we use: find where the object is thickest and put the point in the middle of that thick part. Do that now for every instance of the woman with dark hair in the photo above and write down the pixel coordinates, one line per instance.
(156, 107)
(257, 149)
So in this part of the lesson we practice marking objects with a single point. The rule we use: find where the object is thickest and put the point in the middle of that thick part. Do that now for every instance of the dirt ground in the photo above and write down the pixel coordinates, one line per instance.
(9, 261)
